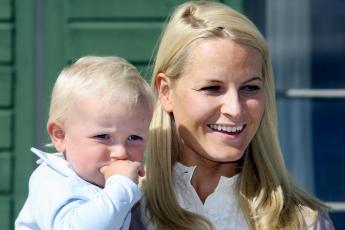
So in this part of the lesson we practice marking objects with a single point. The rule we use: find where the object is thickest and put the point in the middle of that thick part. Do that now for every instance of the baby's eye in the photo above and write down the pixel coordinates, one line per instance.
(135, 138)
(103, 136)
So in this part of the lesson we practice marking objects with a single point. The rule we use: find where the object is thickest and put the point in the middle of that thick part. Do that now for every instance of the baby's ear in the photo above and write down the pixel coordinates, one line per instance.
(57, 135)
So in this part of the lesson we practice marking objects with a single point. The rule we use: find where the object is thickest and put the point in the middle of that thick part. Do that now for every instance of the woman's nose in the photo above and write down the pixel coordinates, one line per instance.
(232, 106)
(119, 152)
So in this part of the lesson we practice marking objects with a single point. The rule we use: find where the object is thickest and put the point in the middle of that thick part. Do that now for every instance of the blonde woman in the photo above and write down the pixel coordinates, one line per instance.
(214, 160)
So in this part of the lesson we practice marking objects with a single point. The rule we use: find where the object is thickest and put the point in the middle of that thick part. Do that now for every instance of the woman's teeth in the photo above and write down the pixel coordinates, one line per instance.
(225, 128)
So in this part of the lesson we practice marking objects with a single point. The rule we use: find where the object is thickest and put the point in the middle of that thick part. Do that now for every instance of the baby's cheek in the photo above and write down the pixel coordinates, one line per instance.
(138, 155)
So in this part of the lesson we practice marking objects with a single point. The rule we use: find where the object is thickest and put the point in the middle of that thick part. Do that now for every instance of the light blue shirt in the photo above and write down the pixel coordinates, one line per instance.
(59, 199)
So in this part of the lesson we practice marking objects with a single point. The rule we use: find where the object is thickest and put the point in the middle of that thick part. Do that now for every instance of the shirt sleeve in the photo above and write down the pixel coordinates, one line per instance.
(110, 209)
(324, 222)
(57, 202)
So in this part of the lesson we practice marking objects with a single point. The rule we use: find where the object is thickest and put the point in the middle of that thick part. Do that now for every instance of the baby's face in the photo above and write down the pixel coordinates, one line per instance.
(98, 133)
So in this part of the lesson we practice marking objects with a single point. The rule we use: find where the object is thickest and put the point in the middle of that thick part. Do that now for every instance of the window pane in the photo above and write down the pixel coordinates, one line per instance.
(328, 147)
(328, 43)
(338, 219)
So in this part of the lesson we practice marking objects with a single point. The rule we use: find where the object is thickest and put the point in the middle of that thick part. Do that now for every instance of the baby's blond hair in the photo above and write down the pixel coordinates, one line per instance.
(109, 78)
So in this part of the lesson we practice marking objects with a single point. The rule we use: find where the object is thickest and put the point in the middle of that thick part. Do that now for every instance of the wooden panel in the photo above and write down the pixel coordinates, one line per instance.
(5, 128)
(54, 59)
(120, 9)
(145, 71)
(24, 131)
(5, 42)
(134, 40)
(5, 172)
(5, 213)
(5, 86)
(5, 9)
(236, 4)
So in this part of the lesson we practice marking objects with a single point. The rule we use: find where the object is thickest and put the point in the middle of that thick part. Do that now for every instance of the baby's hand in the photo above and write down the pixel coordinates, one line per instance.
(130, 169)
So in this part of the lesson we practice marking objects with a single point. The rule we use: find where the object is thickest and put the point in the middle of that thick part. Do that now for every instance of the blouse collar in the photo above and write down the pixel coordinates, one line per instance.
(226, 184)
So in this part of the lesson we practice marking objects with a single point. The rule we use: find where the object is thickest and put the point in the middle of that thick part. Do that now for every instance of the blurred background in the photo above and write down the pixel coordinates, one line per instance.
(307, 42)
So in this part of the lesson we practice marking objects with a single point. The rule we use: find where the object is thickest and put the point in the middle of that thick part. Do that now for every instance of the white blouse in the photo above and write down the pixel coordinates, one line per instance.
(221, 207)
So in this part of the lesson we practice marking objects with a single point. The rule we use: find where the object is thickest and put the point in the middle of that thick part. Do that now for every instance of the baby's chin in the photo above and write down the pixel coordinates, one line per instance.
(98, 183)
(101, 185)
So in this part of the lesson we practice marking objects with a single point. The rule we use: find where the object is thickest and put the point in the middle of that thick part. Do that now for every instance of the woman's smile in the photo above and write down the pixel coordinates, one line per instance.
(229, 129)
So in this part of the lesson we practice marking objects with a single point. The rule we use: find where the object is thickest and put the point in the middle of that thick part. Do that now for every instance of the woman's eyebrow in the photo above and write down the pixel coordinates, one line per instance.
(253, 79)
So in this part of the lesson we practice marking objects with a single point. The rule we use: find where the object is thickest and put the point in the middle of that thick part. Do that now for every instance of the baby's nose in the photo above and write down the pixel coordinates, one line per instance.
(119, 152)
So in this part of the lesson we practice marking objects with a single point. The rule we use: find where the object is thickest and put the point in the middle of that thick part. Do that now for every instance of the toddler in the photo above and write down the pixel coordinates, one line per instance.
(99, 117)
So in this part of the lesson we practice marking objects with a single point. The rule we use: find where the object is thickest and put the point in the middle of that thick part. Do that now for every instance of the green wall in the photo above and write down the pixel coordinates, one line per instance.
(6, 112)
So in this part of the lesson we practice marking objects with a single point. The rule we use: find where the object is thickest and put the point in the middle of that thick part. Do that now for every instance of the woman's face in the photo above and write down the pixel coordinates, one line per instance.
(217, 102)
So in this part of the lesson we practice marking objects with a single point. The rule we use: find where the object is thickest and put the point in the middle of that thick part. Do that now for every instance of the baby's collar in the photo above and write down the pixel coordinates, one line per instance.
(55, 161)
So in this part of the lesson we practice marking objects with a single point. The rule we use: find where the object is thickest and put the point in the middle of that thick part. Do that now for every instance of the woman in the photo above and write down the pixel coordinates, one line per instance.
(214, 159)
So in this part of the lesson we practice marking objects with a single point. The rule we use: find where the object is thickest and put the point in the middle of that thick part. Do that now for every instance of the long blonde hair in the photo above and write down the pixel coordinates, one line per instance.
(267, 196)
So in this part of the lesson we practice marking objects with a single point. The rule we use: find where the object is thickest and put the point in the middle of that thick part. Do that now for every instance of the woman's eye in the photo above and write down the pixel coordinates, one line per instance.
(102, 137)
(212, 88)
(134, 138)
(251, 88)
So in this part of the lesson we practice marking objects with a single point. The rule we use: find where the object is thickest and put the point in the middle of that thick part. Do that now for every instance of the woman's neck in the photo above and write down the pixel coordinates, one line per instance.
(207, 173)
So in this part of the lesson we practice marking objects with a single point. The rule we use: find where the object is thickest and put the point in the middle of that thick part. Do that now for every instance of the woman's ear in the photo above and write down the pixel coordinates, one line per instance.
(163, 86)
(57, 135)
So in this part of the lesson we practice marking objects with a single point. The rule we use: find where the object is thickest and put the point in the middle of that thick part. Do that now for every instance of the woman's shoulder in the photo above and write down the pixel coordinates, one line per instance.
(322, 221)
(140, 219)
(136, 219)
